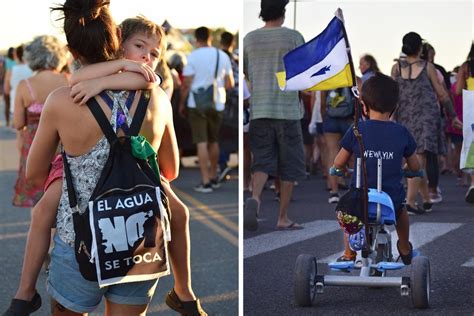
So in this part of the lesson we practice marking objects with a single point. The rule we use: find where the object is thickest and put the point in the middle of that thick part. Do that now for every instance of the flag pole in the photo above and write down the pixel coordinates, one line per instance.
(358, 135)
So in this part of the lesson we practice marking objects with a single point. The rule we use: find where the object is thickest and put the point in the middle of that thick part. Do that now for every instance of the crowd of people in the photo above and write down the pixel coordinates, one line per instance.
(288, 136)
(429, 106)
(46, 84)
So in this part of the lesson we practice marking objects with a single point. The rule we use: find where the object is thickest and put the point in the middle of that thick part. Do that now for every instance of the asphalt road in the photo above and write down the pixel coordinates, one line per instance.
(214, 240)
(444, 236)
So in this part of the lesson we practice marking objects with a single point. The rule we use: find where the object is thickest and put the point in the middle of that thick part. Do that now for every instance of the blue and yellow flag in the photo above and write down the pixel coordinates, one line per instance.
(320, 64)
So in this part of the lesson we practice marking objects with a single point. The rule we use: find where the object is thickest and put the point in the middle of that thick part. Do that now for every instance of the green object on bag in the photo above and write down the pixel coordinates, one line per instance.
(142, 149)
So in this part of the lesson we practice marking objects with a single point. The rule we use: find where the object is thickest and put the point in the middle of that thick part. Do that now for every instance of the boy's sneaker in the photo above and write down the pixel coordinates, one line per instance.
(428, 207)
(414, 210)
(333, 198)
(470, 195)
(215, 183)
(204, 188)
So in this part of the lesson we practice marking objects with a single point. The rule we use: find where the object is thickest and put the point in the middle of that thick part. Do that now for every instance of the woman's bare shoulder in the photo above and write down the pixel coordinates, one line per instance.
(159, 100)
(58, 98)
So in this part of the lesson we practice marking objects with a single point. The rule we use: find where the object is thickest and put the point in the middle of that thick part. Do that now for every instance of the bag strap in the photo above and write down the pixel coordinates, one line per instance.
(139, 113)
(100, 117)
(70, 187)
(217, 64)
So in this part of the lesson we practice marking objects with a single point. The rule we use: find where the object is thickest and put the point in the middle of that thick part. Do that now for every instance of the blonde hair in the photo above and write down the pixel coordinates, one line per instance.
(140, 24)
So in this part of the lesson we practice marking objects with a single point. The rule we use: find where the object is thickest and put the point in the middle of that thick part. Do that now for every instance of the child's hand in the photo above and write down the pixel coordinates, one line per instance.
(82, 91)
(140, 68)
(457, 123)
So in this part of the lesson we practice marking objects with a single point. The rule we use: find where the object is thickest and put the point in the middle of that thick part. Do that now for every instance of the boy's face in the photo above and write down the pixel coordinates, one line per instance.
(140, 47)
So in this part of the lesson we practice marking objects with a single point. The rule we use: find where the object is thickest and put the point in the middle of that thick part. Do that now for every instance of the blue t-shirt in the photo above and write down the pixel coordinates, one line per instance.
(387, 140)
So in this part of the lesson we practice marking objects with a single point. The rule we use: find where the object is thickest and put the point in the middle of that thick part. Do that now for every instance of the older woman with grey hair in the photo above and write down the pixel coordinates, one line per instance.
(46, 56)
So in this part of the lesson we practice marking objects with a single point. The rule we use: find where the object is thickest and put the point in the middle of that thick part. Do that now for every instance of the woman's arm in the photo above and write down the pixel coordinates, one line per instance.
(44, 144)
(394, 71)
(443, 96)
(6, 82)
(461, 79)
(439, 89)
(19, 117)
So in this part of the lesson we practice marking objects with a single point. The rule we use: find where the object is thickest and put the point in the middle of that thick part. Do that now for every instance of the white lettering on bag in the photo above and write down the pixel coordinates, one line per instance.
(103, 206)
(113, 235)
(118, 234)
(135, 226)
(136, 200)
(137, 259)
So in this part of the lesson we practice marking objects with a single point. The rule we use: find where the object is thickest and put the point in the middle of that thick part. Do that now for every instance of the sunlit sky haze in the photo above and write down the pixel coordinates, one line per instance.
(377, 27)
(22, 20)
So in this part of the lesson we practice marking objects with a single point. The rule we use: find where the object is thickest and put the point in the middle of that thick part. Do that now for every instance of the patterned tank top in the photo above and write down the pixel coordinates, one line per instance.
(86, 169)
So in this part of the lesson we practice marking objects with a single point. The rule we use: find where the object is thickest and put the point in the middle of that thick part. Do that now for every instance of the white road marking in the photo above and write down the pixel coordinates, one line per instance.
(469, 263)
(278, 239)
(420, 235)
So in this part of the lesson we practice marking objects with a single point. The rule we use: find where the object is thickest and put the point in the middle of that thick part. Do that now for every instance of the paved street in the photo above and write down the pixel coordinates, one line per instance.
(214, 238)
(269, 257)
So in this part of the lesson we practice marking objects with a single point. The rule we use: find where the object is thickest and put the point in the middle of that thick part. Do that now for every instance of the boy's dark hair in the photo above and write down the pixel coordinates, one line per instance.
(380, 93)
(90, 30)
(19, 52)
(202, 34)
(226, 39)
(140, 24)
(272, 9)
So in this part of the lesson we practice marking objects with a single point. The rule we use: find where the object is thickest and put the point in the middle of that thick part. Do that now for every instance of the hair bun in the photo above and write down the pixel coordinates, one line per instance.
(407, 49)
(84, 10)
(91, 10)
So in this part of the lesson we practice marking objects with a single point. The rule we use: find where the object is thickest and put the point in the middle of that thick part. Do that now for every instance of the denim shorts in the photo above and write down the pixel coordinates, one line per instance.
(336, 125)
(67, 286)
(277, 148)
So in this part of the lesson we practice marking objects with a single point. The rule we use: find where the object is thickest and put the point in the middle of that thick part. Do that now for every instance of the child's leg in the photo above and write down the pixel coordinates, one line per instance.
(179, 247)
(349, 254)
(43, 216)
(403, 232)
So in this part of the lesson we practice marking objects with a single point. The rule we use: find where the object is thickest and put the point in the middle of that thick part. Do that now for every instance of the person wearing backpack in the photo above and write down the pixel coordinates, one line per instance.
(87, 150)
(133, 30)
(337, 109)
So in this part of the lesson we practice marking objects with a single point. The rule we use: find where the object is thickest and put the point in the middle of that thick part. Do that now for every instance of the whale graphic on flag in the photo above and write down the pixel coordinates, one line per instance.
(320, 64)
(322, 71)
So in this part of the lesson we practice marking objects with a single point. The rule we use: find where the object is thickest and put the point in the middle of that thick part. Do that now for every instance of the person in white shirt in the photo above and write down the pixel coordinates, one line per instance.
(210, 69)
(19, 72)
